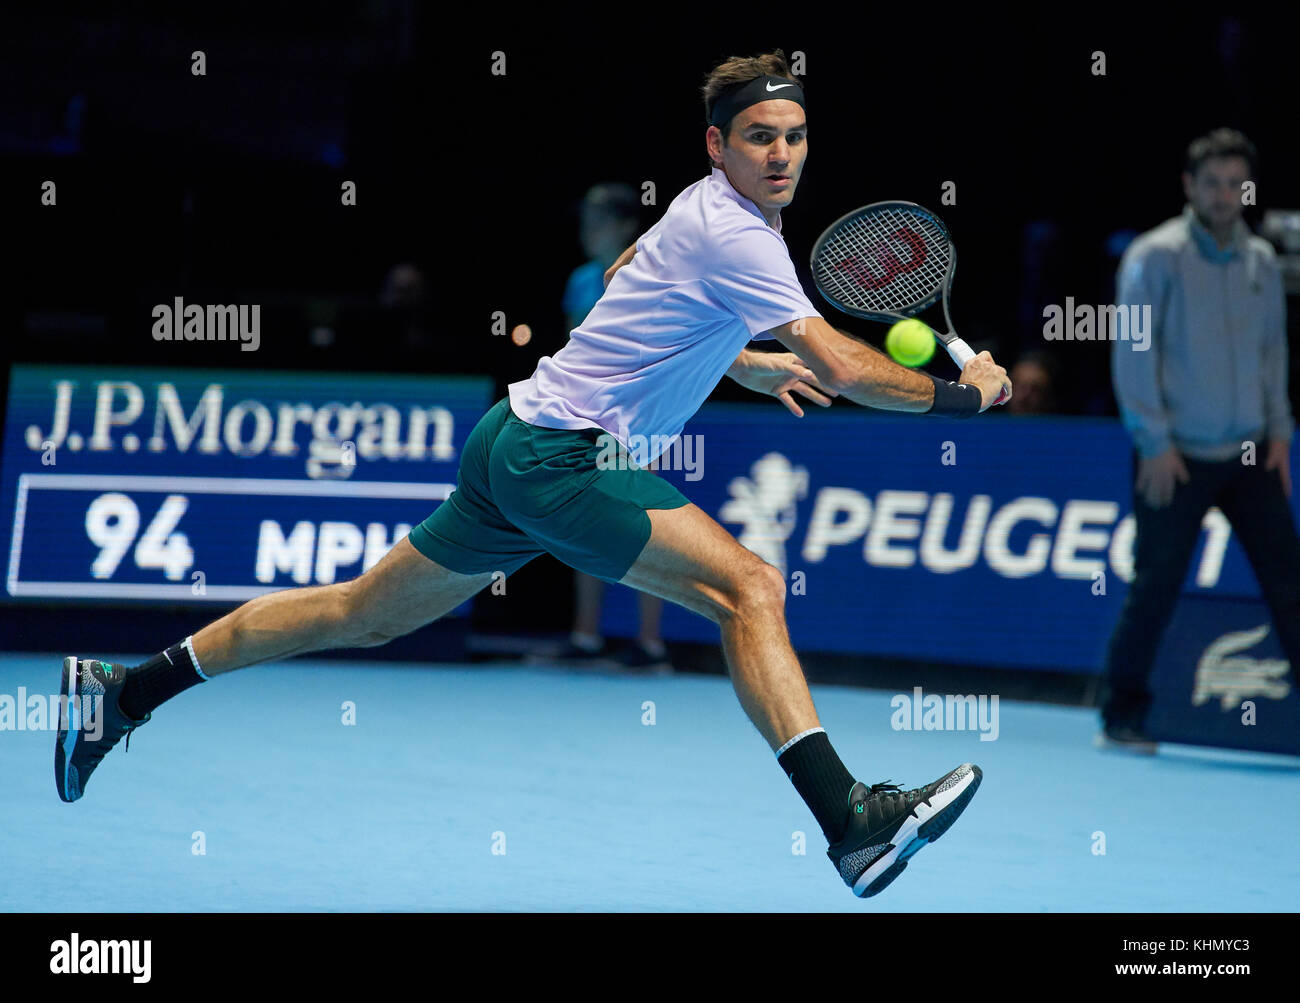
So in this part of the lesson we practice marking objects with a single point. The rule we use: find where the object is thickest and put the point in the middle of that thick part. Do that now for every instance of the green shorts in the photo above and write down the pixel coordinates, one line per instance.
(522, 490)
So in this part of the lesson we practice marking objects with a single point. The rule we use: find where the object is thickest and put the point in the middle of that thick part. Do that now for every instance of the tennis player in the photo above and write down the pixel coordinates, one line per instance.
(680, 307)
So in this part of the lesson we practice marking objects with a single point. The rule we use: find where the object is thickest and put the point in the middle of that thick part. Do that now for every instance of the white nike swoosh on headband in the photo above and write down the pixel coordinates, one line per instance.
(777, 87)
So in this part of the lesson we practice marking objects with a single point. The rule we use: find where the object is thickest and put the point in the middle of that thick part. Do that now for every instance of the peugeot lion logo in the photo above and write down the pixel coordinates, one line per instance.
(764, 503)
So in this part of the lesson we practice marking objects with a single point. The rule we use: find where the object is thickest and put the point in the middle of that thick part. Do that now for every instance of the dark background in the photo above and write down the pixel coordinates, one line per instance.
(225, 188)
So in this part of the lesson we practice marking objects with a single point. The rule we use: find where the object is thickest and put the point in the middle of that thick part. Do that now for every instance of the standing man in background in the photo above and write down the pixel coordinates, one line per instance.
(1206, 396)
(608, 223)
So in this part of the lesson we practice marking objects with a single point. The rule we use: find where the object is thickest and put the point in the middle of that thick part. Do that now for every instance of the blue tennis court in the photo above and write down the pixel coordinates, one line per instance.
(597, 809)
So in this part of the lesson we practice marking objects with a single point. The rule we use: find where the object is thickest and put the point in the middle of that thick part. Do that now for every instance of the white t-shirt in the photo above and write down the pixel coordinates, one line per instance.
(706, 279)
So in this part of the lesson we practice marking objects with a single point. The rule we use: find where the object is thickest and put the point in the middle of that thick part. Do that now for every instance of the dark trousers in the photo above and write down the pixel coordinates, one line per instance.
(1255, 505)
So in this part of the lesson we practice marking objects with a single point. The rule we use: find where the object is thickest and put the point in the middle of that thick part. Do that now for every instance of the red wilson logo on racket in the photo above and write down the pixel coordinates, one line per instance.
(883, 255)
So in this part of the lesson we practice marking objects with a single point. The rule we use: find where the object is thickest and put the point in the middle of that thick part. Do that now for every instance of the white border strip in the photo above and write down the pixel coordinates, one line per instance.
(240, 486)
(195, 658)
(142, 590)
(16, 544)
(802, 734)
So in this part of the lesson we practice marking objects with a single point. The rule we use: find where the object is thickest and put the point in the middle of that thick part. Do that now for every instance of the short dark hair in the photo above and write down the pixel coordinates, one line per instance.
(617, 199)
(741, 70)
(1220, 143)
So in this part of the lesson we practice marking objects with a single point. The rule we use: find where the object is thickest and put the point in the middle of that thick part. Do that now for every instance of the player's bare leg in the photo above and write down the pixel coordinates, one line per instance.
(873, 831)
(405, 590)
(694, 562)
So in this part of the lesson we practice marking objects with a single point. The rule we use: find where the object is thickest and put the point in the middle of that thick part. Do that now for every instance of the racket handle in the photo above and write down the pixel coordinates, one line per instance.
(961, 354)
(960, 351)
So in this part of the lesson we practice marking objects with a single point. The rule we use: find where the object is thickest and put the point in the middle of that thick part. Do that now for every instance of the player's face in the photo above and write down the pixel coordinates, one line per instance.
(764, 153)
(1215, 191)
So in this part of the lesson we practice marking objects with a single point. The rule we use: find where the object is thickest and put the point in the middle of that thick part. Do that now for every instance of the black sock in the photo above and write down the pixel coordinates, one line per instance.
(821, 780)
(159, 679)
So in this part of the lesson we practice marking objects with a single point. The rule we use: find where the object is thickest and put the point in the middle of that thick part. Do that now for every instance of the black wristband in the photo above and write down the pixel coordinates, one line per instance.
(955, 400)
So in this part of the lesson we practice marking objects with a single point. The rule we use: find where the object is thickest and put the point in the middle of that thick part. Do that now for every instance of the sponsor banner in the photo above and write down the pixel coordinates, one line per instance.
(219, 485)
(995, 541)
(1221, 678)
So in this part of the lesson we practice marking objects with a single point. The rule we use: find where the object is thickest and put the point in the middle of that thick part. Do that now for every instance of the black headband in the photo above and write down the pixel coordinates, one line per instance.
(738, 97)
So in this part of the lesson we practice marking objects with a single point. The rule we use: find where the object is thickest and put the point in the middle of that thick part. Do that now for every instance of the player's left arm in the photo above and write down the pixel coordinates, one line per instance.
(779, 374)
(867, 376)
(752, 271)
(855, 369)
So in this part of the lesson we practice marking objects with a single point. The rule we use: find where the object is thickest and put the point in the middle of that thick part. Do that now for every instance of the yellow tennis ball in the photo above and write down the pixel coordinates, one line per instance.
(910, 343)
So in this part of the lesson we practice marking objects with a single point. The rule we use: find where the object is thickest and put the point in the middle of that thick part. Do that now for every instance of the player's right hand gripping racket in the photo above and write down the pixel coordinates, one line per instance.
(889, 261)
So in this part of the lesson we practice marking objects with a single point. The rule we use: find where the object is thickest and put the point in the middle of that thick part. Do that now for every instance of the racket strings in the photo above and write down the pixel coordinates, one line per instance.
(888, 260)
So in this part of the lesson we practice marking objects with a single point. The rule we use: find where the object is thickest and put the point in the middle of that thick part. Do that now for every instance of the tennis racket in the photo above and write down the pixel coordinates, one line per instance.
(889, 261)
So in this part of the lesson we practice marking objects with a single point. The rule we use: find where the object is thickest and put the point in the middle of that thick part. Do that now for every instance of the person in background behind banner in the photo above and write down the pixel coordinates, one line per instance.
(1206, 405)
(1036, 375)
(608, 223)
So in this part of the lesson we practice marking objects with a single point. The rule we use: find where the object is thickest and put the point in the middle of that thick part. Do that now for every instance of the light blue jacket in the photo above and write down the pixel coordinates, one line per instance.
(1214, 374)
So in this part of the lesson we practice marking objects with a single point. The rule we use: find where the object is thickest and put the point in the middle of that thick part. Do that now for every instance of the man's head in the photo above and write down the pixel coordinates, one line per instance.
(403, 288)
(1035, 378)
(762, 146)
(1218, 164)
(608, 220)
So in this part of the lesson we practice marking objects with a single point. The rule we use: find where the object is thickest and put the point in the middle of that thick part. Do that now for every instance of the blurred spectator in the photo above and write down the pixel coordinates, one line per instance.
(1208, 392)
(403, 287)
(1036, 377)
(608, 223)
(404, 298)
